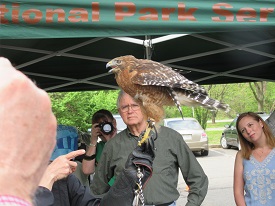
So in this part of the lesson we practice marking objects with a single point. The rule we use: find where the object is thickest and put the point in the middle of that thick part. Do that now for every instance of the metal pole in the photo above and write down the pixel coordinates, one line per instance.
(148, 46)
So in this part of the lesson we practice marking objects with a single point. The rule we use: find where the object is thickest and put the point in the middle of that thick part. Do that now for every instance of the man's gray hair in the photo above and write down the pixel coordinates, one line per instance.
(120, 95)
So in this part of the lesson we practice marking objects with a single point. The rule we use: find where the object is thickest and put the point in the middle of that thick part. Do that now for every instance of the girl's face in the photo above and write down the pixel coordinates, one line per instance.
(251, 129)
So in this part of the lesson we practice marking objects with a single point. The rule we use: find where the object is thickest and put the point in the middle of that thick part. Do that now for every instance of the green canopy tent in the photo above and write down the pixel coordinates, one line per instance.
(64, 46)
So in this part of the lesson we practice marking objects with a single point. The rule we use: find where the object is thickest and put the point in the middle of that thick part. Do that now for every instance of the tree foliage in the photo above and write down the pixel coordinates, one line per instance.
(240, 99)
(77, 108)
(216, 92)
(172, 111)
(258, 89)
(269, 104)
(201, 114)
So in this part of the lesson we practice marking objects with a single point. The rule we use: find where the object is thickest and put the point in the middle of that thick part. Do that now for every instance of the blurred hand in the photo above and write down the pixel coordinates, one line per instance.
(28, 132)
(95, 133)
(60, 168)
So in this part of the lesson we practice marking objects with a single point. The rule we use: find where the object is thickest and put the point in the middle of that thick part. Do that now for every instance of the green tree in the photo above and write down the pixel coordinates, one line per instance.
(258, 89)
(269, 104)
(216, 92)
(172, 111)
(240, 99)
(201, 114)
(77, 108)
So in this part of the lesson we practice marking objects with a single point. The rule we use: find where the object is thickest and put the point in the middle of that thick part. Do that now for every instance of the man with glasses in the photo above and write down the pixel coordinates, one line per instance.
(171, 154)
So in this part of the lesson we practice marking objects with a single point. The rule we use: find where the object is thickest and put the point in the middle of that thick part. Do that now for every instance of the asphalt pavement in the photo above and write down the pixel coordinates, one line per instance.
(218, 166)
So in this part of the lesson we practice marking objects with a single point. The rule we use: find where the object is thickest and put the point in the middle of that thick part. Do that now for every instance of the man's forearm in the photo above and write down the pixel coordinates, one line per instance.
(197, 195)
(88, 165)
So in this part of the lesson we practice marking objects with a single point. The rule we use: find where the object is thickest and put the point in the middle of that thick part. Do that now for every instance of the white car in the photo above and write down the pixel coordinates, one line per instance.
(192, 133)
(119, 122)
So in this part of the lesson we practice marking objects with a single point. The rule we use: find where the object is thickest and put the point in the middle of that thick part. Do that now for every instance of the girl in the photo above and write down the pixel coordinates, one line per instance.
(254, 171)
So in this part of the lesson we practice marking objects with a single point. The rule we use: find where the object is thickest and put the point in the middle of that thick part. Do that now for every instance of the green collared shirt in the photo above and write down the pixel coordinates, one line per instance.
(172, 154)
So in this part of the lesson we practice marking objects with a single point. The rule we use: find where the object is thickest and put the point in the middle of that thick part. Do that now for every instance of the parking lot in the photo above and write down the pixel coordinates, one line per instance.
(218, 166)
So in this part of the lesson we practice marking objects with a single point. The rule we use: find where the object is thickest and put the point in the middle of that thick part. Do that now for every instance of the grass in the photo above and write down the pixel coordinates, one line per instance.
(217, 124)
(214, 136)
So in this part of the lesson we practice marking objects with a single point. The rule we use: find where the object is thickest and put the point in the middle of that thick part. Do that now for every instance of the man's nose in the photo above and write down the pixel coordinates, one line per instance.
(130, 109)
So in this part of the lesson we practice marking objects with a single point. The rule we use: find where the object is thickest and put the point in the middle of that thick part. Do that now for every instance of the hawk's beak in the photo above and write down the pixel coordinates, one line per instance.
(109, 65)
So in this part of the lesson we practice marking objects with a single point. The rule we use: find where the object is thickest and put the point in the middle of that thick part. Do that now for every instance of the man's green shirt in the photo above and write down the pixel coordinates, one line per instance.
(172, 154)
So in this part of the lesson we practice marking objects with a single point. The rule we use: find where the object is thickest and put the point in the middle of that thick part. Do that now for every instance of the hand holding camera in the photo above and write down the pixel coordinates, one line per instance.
(106, 127)
(103, 130)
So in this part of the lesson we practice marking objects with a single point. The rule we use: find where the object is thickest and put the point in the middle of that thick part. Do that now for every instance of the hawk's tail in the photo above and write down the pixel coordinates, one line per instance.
(190, 98)
(173, 95)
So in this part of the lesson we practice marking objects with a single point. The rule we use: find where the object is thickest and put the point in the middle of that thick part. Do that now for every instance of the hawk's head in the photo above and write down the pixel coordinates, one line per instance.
(120, 63)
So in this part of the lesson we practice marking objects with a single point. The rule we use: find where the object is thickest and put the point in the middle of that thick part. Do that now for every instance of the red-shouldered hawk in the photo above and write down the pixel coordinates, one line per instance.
(156, 85)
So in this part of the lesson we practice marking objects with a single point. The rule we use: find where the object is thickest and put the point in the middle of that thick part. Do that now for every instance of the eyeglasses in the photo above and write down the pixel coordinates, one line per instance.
(134, 107)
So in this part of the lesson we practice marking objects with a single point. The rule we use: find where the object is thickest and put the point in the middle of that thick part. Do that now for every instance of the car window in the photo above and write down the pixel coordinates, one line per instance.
(184, 124)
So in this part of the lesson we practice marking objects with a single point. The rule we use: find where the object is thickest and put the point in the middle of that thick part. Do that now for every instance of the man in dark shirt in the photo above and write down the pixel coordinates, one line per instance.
(172, 154)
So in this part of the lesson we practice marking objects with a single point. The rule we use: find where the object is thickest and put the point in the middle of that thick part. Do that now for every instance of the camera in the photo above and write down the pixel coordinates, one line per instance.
(106, 127)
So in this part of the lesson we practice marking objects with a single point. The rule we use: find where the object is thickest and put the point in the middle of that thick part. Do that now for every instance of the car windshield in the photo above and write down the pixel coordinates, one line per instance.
(184, 124)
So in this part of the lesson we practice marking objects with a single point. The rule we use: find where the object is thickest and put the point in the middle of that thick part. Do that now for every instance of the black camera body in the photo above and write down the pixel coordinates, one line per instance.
(106, 127)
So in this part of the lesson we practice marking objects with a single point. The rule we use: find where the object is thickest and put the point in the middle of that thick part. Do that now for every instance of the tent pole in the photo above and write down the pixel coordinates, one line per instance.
(148, 46)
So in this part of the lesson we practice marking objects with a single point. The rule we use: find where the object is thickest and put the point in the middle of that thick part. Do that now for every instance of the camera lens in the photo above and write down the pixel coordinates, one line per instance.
(106, 127)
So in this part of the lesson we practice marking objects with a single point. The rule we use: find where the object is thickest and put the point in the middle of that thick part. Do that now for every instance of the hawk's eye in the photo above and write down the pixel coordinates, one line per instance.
(118, 61)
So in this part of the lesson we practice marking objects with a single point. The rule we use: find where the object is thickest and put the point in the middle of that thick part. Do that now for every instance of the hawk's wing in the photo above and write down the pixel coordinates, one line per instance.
(156, 74)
